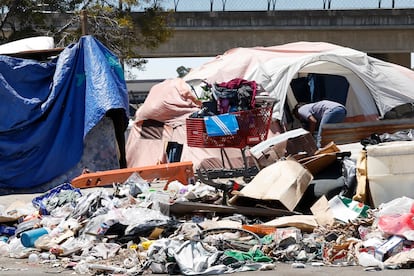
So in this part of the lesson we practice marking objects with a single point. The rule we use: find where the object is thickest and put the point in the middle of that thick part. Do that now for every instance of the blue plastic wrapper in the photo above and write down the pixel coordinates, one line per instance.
(220, 125)
(7, 230)
(56, 197)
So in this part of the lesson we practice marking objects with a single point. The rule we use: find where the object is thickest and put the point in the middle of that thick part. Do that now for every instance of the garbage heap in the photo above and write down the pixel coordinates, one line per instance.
(133, 229)
(316, 208)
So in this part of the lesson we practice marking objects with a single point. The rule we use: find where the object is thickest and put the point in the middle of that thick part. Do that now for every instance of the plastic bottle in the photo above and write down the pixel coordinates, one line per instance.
(33, 258)
(365, 259)
(4, 248)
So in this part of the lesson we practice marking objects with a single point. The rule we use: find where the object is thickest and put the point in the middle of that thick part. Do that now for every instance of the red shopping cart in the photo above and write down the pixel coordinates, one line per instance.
(253, 128)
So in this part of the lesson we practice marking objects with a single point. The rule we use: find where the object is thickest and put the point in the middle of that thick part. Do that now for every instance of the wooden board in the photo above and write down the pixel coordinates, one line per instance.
(185, 208)
(180, 171)
(344, 133)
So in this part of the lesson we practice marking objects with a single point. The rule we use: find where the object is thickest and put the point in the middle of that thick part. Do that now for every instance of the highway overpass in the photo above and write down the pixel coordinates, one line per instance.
(384, 33)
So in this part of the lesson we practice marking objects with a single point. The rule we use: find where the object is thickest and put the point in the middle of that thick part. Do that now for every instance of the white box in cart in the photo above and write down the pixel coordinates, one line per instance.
(390, 171)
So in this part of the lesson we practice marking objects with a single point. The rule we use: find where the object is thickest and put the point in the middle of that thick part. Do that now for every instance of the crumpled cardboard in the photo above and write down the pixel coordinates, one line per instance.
(293, 142)
(284, 181)
(400, 259)
(321, 158)
(306, 223)
(318, 163)
(362, 190)
(322, 212)
(211, 224)
(391, 247)
(327, 212)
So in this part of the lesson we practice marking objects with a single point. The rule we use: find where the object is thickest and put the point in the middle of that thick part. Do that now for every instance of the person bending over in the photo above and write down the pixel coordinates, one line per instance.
(314, 115)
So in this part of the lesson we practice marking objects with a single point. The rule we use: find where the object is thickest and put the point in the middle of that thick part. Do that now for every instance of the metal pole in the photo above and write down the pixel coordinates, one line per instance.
(84, 22)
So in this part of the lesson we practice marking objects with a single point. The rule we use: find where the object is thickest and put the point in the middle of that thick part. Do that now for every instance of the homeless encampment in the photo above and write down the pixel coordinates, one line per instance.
(161, 122)
(49, 107)
(290, 73)
(367, 86)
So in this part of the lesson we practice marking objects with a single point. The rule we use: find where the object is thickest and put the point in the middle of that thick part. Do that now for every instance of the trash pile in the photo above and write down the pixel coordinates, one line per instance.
(292, 211)
(132, 229)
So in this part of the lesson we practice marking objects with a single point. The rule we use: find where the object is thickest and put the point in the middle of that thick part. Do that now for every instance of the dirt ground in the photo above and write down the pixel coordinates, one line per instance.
(16, 267)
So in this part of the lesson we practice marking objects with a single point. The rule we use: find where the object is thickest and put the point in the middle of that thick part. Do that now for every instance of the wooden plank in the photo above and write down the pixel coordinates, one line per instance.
(343, 133)
(185, 208)
(181, 171)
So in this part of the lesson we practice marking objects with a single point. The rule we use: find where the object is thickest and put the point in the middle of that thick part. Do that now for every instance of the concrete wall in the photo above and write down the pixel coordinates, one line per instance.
(387, 33)
(403, 59)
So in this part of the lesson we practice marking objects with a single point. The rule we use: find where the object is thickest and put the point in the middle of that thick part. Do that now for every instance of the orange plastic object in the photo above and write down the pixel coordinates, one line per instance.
(180, 171)
(260, 229)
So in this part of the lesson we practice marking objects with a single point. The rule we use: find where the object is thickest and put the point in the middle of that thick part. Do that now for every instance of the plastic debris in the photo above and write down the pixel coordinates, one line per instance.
(136, 233)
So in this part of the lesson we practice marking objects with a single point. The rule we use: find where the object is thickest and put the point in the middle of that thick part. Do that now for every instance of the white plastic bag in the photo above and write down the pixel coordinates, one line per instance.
(401, 205)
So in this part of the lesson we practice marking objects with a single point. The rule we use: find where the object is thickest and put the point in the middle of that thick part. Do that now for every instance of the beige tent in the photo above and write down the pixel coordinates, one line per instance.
(373, 88)
(162, 119)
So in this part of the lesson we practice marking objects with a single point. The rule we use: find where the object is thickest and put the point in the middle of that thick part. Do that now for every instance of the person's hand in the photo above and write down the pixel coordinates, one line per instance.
(312, 124)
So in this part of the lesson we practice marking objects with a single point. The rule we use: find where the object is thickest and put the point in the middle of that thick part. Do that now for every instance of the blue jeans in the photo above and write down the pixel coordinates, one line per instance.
(332, 116)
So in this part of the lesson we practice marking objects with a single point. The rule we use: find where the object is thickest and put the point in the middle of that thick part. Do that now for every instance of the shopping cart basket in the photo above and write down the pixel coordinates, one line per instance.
(253, 128)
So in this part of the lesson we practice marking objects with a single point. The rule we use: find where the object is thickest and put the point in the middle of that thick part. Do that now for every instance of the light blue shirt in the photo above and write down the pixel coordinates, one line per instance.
(317, 109)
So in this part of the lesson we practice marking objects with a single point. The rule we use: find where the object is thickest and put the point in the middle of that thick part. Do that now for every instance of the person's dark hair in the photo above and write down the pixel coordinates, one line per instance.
(303, 121)
(296, 112)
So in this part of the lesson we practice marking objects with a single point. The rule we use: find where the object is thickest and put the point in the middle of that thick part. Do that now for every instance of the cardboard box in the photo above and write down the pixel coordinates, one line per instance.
(283, 182)
(318, 163)
(304, 143)
(321, 158)
(391, 247)
(297, 142)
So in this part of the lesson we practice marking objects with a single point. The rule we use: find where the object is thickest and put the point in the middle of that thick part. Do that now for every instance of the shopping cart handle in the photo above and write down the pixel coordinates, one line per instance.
(226, 187)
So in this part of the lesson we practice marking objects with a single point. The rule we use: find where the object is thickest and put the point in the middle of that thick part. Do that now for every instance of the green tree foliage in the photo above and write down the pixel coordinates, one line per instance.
(112, 22)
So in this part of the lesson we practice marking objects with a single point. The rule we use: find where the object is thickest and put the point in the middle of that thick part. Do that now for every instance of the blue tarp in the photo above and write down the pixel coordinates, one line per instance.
(47, 108)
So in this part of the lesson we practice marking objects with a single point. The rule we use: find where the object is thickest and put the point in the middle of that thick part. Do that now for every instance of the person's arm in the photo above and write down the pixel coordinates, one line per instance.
(312, 124)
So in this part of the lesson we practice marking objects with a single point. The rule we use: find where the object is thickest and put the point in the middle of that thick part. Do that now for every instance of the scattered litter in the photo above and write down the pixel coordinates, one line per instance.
(136, 228)
(298, 265)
